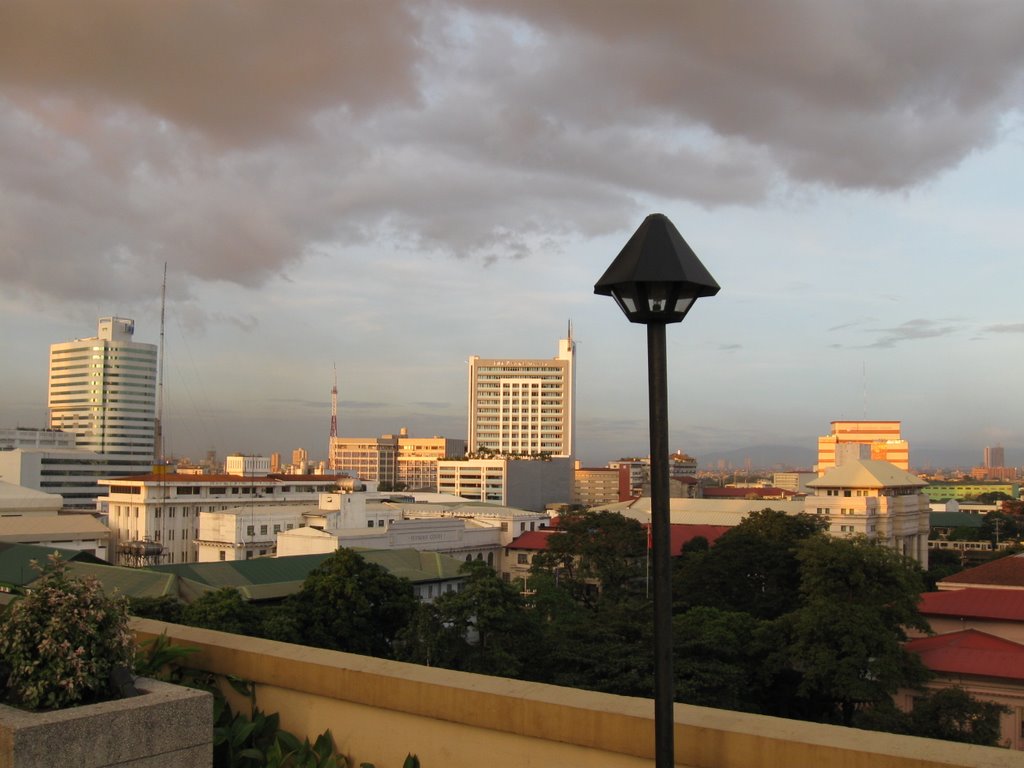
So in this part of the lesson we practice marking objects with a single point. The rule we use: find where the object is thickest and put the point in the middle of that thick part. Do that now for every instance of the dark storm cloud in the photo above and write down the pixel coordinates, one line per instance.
(237, 71)
(231, 139)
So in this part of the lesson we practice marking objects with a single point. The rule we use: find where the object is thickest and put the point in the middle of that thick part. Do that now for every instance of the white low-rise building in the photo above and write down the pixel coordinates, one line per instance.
(875, 499)
(159, 514)
(28, 516)
(462, 530)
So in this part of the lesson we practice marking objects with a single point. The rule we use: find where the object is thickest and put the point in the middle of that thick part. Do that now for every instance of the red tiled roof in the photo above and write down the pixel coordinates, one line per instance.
(1004, 572)
(683, 533)
(185, 479)
(970, 652)
(743, 493)
(975, 603)
(531, 540)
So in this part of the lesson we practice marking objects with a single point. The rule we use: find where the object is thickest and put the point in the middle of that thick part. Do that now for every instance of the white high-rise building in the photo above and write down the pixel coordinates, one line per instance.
(523, 406)
(103, 390)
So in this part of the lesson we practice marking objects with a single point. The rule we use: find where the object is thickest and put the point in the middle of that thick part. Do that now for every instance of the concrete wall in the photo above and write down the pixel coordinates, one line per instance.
(378, 711)
(169, 726)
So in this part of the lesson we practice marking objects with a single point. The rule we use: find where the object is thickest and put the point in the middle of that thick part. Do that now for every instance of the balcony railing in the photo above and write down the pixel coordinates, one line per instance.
(379, 710)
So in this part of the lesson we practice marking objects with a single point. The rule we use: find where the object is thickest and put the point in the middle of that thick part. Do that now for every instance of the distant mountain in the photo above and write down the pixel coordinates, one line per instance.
(783, 457)
(777, 457)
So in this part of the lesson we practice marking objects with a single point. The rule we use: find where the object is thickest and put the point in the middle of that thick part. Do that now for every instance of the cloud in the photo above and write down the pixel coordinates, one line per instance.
(1005, 328)
(910, 331)
(232, 139)
(318, 405)
(730, 347)
(360, 405)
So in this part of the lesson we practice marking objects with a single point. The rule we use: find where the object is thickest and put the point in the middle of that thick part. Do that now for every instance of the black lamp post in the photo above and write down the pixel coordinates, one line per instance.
(655, 280)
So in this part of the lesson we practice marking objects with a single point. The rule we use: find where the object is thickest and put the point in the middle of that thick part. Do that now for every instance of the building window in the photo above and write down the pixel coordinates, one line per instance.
(248, 554)
(369, 523)
(380, 523)
(250, 530)
(522, 559)
(223, 555)
(277, 528)
(263, 530)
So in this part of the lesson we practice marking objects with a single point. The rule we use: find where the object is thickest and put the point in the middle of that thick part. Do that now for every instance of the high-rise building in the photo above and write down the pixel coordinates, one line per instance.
(521, 406)
(103, 390)
(994, 456)
(853, 440)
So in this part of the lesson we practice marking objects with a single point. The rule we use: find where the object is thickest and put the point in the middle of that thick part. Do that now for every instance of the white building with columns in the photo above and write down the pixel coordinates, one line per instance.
(875, 499)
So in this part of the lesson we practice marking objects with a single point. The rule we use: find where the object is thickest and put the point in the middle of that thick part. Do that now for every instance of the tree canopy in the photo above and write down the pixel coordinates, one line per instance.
(350, 604)
(846, 638)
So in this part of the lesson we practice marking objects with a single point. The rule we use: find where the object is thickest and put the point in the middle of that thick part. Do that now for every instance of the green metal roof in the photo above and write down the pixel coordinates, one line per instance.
(414, 565)
(130, 582)
(239, 573)
(268, 578)
(955, 520)
(16, 561)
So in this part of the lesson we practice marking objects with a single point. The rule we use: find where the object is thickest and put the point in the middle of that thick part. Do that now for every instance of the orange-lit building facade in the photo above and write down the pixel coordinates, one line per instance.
(881, 440)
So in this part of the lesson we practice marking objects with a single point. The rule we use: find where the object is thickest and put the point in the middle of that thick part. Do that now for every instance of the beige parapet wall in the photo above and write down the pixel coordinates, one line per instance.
(378, 711)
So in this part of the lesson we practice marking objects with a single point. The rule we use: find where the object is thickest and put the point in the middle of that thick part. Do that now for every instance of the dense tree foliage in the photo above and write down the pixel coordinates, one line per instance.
(350, 604)
(942, 563)
(224, 609)
(846, 638)
(484, 627)
(951, 714)
(163, 608)
(751, 569)
(595, 552)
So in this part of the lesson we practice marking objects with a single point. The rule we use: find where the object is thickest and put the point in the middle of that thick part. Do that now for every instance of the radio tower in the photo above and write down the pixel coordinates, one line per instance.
(334, 419)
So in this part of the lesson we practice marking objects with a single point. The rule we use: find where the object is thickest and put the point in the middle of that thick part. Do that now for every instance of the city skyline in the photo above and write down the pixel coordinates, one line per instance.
(430, 183)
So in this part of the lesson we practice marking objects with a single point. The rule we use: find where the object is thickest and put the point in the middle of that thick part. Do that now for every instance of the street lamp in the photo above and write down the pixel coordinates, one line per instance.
(655, 279)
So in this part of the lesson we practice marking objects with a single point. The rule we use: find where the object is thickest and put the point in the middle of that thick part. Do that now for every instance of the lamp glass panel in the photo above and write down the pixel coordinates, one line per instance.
(682, 304)
(657, 297)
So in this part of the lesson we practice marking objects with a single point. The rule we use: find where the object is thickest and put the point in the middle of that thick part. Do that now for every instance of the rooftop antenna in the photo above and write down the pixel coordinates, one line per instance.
(158, 430)
(334, 419)
(864, 379)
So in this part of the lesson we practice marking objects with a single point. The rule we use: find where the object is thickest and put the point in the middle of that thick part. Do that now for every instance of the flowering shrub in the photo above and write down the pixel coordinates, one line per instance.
(61, 641)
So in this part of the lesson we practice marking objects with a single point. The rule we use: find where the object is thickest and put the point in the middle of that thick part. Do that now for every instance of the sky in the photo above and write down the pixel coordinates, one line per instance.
(385, 188)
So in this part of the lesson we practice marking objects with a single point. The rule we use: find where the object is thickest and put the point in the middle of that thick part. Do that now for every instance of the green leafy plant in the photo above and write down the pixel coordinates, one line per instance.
(162, 660)
(62, 641)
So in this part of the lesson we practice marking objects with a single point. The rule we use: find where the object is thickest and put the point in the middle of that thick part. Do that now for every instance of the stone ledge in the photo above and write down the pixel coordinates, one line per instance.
(169, 725)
